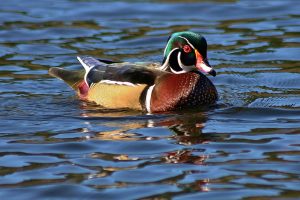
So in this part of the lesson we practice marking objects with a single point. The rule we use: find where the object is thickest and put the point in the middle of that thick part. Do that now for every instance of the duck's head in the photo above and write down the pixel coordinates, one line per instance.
(186, 51)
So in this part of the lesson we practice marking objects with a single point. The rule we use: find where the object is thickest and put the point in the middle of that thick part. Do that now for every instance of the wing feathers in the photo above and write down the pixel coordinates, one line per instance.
(89, 62)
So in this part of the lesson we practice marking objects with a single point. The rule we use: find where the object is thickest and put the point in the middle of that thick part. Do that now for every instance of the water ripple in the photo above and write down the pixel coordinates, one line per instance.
(52, 145)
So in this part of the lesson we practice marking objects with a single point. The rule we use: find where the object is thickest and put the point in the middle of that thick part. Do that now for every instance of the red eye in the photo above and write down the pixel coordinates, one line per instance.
(187, 49)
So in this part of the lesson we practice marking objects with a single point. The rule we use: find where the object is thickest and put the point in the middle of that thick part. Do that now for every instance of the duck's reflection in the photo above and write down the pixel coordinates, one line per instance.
(185, 156)
(185, 129)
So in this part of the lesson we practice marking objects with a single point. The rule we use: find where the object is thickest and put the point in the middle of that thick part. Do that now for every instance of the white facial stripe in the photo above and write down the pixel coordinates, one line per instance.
(148, 98)
(118, 83)
(166, 63)
(184, 68)
(86, 68)
(187, 41)
(180, 63)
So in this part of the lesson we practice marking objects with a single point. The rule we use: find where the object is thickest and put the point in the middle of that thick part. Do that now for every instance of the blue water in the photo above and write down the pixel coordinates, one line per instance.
(54, 146)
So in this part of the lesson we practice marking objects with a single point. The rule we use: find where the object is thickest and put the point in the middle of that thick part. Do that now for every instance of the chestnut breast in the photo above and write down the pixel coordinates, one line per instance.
(178, 91)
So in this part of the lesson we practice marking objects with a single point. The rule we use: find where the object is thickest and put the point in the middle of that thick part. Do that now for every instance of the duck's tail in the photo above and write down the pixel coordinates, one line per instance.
(75, 79)
(72, 78)
(81, 79)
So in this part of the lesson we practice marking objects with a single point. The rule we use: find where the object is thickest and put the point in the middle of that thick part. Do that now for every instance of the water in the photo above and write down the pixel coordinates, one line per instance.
(53, 146)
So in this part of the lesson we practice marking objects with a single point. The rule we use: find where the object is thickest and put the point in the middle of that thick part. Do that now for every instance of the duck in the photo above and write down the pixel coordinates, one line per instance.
(178, 83)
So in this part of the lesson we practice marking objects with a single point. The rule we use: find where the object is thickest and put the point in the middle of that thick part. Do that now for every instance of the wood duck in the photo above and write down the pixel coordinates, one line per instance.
(177, 83)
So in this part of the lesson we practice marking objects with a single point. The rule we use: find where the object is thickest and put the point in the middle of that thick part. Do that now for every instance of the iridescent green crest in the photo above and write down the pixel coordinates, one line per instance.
(179, 39)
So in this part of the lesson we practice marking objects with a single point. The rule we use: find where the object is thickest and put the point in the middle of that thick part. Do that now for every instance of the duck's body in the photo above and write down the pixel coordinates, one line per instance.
(149, 87)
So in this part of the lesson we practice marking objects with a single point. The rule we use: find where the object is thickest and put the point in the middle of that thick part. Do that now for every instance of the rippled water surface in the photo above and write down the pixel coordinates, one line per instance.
(54, 146)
